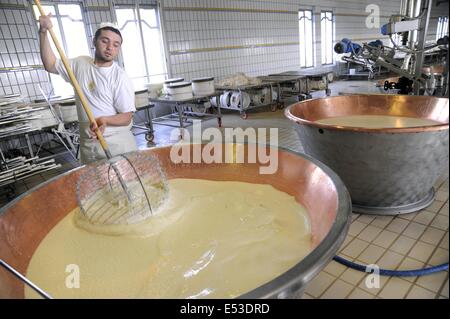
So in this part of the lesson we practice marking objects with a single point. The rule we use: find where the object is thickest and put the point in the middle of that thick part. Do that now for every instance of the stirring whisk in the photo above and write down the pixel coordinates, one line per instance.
(101, 197)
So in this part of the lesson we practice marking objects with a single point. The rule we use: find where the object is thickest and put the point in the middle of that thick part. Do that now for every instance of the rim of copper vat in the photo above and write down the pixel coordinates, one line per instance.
(306, 268)
(432, 108)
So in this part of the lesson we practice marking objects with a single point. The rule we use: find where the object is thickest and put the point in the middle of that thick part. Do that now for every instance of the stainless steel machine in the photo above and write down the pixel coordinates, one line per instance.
(411, 28)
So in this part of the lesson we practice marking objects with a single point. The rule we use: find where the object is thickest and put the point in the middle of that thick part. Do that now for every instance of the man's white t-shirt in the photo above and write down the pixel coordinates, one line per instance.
(108, 91)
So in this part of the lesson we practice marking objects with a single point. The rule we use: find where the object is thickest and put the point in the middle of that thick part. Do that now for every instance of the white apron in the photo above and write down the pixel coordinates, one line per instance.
(120, 140)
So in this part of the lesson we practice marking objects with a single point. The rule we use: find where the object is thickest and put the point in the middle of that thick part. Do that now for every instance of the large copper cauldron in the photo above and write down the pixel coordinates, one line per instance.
(387, 171)
(26, 221)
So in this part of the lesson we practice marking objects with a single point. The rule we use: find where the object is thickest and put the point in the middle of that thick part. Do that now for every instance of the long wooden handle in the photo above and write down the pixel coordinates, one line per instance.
(75, 84)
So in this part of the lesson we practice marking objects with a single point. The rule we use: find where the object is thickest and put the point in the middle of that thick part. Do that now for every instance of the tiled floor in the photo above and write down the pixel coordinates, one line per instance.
(403, 242)
(409, 241)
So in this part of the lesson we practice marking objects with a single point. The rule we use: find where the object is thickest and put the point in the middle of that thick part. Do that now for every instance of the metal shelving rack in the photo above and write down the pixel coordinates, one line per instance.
(16, 127)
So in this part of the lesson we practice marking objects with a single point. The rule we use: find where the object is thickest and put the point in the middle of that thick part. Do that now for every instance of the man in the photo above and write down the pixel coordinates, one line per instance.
(107, 88)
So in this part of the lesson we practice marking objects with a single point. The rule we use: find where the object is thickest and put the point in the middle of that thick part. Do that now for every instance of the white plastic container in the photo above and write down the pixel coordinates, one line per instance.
(141, 98)
(235, 100)
(154, 89)
(215, 101)
(180, 90)
(203, 86)
(169, 82)
(225, 99)
(246, 100)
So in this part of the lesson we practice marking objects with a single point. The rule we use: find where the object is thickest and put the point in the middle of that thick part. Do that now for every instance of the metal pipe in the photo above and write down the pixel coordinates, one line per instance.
(416, 12)
(410, 14)
(410, 8)
(404, 7)
(25, 280)
(421, 43)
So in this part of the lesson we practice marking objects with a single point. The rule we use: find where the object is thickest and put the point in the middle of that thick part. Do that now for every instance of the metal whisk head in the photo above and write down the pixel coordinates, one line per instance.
(124, 190)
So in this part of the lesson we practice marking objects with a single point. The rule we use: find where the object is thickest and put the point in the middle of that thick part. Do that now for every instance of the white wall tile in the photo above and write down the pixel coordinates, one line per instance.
(186, 30)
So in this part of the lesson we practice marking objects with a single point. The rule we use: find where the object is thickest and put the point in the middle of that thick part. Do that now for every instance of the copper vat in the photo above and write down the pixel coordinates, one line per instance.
(26, 221)
(387, 171)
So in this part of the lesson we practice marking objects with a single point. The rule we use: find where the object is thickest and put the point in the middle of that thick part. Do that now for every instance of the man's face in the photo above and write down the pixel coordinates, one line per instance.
(107, 45)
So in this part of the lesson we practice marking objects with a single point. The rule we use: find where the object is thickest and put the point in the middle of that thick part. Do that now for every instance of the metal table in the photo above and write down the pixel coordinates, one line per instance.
(292, 85)
(181, 113)
(310, 75)
(148, 125)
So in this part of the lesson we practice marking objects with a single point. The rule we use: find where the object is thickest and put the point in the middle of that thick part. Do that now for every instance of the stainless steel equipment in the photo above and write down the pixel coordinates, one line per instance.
(412, 26)
(387, 171)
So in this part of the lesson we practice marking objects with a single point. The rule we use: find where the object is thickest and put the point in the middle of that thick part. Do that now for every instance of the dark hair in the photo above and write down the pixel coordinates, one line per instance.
(99, 31)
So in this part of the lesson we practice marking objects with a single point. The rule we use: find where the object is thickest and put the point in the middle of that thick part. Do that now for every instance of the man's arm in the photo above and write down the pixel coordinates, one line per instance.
(121, 119)
(47, 55)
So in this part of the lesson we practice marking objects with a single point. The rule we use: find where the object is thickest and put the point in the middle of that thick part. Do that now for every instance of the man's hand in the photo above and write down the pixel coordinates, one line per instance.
(45, 23)
(121, 119)
(100, 124)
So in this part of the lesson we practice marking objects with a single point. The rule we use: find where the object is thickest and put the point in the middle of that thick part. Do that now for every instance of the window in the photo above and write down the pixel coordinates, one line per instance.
(69, 28)
(305, 21)
(326, 30)
(142, 48)
(442, 27)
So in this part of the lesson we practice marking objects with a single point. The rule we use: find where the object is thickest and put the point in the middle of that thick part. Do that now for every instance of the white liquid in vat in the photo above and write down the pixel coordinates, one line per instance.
(214, 240)
(376, 121)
